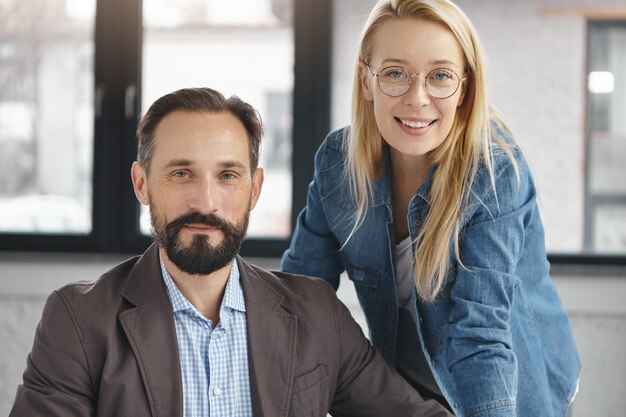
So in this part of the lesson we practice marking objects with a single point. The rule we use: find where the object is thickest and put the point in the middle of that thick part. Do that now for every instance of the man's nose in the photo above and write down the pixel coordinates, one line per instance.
(202, 197)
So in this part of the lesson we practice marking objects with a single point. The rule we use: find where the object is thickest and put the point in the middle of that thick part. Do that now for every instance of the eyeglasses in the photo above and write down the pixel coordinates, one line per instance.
(396, 81)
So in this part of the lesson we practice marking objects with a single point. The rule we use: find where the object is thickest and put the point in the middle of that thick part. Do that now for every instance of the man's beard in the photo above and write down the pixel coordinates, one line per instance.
(200, 257)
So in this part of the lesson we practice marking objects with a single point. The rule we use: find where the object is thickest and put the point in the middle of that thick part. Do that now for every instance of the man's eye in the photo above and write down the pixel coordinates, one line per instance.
(228, 176)
(180, 174)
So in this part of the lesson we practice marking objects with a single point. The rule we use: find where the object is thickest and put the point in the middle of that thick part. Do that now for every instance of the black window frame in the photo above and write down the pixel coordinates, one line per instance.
(117, 89)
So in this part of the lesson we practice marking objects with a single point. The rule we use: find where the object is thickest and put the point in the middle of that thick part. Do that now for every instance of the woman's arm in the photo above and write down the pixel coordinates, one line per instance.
(480, 353)
(314, 250)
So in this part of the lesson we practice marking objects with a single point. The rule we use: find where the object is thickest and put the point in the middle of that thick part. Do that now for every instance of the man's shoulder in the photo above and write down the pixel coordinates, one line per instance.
(290, 282)
(300, 291)
(100, 290)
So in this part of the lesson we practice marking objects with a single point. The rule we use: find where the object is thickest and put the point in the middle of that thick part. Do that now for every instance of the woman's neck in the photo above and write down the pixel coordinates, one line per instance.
(407, 175)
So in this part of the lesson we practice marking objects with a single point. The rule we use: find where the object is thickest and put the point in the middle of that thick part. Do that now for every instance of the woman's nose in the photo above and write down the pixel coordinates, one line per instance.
(418, 94)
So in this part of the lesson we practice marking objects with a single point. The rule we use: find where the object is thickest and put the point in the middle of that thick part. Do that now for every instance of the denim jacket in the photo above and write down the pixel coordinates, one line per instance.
(497, 338)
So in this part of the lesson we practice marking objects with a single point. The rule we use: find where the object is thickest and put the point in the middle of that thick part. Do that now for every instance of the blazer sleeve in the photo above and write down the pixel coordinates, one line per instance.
(367, 386)
(56, 382)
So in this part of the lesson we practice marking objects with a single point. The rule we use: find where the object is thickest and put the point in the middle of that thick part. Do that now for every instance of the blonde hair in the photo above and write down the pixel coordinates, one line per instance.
(458, 158)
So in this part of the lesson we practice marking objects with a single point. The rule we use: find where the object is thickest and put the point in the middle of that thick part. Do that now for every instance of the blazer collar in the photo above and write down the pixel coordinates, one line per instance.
(149, 327)
(145, 281)
(272, 336)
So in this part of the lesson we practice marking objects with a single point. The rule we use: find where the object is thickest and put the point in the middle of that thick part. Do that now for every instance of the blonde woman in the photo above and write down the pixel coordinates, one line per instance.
(429, 206)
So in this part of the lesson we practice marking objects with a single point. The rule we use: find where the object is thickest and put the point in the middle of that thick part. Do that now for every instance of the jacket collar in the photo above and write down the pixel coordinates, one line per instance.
(272, 337)
(149, 327)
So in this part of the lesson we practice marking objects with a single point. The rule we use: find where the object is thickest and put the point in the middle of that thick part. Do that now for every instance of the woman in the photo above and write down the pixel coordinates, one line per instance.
(429, 206)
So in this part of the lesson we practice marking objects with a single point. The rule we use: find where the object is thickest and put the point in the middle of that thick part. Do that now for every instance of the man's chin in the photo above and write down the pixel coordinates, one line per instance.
(213, 237)
(198, 262)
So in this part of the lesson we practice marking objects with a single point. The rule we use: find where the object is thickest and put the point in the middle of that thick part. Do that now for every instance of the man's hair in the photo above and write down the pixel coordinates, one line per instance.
(197, 100)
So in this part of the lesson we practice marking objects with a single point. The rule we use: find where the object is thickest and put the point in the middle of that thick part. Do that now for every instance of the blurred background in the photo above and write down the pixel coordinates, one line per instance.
(76, 74)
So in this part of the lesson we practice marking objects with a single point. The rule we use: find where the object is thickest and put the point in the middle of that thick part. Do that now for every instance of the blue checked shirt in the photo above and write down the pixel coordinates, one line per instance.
(214, 362)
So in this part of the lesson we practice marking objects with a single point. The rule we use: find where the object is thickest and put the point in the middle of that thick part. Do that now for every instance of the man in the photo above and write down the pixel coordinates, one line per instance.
(190, 328)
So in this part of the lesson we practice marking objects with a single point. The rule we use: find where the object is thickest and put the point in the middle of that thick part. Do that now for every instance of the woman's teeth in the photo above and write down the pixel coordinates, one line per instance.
(415, 125)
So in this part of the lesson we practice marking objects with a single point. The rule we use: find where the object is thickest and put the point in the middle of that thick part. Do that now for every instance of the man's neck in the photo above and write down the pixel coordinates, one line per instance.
(204, 292)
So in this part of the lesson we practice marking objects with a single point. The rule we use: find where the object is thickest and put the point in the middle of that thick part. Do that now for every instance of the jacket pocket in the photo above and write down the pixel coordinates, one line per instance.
(309, 379)
(311, 394)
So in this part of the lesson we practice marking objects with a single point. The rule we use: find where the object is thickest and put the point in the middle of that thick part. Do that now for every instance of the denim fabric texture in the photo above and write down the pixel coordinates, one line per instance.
(497, 338)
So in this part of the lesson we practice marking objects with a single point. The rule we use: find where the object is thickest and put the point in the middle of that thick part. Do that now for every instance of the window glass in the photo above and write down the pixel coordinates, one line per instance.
(605, 197)
(46, 115)
(240, 47)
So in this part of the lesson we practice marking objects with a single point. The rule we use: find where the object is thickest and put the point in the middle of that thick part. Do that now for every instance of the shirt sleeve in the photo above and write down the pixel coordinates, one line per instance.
(480, 354)
(56, 381)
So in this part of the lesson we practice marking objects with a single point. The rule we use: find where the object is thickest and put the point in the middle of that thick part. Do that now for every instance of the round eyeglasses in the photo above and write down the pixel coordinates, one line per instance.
(396, 81)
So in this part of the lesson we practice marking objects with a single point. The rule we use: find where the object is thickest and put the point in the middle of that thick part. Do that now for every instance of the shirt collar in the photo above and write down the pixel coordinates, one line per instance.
(233, 295)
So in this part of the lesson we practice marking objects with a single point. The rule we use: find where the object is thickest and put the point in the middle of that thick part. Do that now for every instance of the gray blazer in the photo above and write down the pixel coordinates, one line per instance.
(108, 348)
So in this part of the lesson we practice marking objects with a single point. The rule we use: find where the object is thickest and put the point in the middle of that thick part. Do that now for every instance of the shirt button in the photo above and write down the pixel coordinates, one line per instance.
(217, 391)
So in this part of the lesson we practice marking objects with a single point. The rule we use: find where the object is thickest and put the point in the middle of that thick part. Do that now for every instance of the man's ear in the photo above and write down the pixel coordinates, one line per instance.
(257, 185)
(366, 83)
(140, 183)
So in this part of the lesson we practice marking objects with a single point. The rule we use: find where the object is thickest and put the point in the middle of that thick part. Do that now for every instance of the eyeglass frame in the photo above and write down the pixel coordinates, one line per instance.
(411, 76)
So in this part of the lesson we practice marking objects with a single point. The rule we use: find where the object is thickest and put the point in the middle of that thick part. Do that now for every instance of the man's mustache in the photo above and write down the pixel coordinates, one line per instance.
(210, 220)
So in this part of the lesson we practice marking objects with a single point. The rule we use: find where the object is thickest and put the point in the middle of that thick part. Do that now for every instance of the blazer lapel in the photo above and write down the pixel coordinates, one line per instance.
(272, 336)
(150, 329)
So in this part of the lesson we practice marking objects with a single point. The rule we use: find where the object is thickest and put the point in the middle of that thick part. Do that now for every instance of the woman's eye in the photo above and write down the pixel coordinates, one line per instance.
(394, 74)
(441, 75)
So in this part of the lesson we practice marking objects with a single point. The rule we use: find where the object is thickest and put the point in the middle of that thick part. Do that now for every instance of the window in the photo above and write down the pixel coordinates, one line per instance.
(605, 142)
(241, 47)
(46, 105)
(76, 75)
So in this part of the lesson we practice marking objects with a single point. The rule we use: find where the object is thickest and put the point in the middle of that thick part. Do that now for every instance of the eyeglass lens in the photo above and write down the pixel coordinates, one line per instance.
(396, 81)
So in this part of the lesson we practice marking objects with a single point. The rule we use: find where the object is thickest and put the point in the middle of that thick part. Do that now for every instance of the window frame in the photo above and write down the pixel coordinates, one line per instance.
(589, 202)
(117, 35)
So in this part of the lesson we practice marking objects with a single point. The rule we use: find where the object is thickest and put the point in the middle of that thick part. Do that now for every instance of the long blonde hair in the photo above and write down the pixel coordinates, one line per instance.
(458, 158)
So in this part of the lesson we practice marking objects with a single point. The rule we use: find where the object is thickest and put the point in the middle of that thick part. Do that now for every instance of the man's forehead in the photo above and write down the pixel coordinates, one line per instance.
(187, 121)
(187, 135)
(186, 127)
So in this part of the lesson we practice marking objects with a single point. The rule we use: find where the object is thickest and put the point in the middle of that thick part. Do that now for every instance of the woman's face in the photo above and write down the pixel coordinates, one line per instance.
(414, 123)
